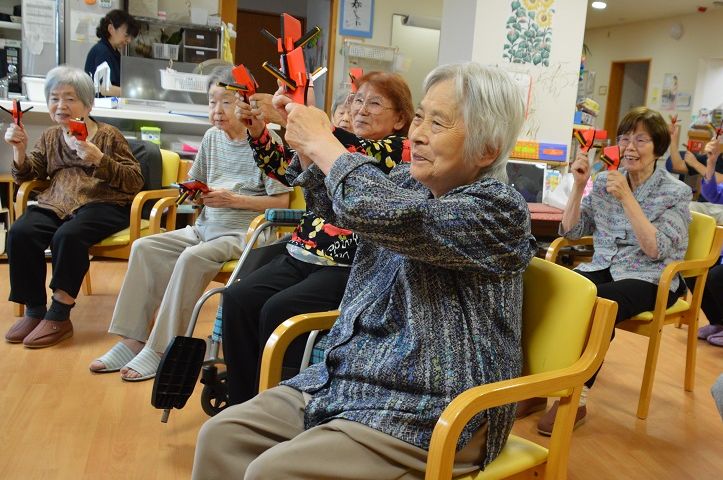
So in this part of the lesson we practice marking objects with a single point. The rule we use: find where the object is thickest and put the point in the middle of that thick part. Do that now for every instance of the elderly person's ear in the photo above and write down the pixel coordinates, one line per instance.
(488, 157)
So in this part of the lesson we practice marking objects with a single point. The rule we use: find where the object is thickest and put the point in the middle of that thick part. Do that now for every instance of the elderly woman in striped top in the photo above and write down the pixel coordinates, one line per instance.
(433, 304)
(169, 271)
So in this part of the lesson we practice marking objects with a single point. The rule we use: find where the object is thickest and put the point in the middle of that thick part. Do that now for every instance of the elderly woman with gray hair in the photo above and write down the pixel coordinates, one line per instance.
(432, 307)
(92, 184)
(168, 272)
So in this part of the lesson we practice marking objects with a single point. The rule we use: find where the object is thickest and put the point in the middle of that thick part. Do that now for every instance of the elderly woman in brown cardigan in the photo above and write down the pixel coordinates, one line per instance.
(92, 184)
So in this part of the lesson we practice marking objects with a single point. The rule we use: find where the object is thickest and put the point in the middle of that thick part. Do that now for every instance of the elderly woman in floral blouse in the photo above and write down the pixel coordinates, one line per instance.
(638, 218)
(432, 307)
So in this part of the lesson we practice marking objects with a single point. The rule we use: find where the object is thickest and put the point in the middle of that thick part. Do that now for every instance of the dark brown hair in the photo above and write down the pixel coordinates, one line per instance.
(653, 123)
(395, 88)
(117, 18)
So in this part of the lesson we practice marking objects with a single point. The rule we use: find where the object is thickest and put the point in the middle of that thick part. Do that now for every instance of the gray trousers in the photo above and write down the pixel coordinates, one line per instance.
(264, 438)
(712, 209)
(168, 272)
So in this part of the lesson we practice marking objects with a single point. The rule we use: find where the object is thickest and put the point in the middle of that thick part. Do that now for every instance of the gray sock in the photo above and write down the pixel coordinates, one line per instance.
(58, 311)
(35, 311)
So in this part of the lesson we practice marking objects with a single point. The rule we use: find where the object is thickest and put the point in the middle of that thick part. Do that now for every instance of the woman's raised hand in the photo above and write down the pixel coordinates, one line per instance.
(580, 169)
(16, 137)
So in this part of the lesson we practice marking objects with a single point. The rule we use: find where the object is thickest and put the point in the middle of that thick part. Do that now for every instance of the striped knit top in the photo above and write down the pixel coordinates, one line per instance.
(433, 304)
(228, 164)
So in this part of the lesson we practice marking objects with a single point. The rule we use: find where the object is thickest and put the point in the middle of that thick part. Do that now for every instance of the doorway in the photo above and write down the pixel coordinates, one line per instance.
(628, 89)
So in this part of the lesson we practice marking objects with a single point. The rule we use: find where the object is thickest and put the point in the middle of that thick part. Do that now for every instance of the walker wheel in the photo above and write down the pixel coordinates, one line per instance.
(214, 396)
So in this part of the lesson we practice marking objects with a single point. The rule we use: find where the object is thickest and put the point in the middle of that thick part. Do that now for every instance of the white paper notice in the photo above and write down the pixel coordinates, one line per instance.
(39, 20)
(83, 25)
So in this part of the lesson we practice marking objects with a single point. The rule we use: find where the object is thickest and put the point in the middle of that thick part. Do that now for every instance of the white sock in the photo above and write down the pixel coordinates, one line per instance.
(583, 396)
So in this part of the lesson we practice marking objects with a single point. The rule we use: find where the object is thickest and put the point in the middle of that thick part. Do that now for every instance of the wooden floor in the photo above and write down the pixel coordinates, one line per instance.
(58, 421)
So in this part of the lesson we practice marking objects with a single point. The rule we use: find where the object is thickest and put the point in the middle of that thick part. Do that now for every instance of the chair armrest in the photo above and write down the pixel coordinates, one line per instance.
(279, 341)
(137, 207)
(24, 191)
(477, 399)
(255, 223)
(166, 203)
(554, 249)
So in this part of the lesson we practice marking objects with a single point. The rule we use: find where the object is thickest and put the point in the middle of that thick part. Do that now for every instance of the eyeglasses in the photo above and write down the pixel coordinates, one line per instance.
(638, 142)
(373, 105)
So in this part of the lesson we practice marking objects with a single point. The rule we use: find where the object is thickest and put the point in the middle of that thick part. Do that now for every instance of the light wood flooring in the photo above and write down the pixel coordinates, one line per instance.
(58, 421)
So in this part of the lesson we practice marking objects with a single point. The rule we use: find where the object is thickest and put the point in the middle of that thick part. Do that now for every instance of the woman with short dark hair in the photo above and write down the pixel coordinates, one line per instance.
(638, 217)
(116, 30)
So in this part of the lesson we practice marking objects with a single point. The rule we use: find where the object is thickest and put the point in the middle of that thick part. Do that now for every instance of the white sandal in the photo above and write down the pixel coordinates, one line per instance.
(146, 363)
(115, 358)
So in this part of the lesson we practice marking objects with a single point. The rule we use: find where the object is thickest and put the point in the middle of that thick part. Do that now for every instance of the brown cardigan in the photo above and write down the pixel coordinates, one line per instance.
(72, 184)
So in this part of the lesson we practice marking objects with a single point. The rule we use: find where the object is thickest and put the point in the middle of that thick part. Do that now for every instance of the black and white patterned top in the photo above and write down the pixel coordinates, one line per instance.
(433, 304)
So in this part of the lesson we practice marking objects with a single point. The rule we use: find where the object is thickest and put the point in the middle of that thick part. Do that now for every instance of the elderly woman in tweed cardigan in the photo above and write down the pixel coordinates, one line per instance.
(433, 303)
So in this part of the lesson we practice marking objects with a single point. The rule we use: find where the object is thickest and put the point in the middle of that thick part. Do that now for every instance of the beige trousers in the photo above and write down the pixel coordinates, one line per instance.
(168, 272)
(264, 438)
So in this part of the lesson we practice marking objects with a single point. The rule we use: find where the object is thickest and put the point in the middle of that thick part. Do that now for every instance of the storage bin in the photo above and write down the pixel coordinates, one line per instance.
(185, 82)
(34, 88)
(165, 51)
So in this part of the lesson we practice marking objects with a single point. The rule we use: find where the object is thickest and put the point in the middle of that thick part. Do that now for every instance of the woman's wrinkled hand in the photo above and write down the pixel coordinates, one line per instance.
(219, 199)
(580, 169)
(16, 137)
(307, 128)
(250, 116)
(87, 151)
(714, 147)
(617, 185)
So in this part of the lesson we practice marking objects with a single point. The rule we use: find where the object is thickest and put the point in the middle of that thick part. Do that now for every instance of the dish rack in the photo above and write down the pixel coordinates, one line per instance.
(185, 82)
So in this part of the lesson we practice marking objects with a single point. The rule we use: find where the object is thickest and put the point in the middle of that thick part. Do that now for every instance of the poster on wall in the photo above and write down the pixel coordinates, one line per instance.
(356, 18)
(670, 91)
(529, 32)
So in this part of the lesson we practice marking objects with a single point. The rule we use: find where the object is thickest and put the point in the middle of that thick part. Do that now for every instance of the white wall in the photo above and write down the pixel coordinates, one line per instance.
(709, 85)
(635, 79)
(382, 31)
(650, 40)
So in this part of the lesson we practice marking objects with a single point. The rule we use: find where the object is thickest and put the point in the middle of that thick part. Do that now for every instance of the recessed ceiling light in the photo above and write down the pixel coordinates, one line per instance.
(599, 5)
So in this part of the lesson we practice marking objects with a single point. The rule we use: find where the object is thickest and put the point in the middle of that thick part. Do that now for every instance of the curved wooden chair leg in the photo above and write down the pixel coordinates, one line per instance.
(18, 309)
(87, 287)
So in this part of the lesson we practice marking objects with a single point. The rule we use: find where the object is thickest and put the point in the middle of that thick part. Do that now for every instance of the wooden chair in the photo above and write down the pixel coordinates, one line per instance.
(704, 247)
(119, 244)
(565, 336)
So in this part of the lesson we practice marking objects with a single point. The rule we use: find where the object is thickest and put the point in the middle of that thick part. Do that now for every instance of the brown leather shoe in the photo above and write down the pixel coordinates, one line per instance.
(547, 421)
(21, 329)
(48, 333)
(530, 406)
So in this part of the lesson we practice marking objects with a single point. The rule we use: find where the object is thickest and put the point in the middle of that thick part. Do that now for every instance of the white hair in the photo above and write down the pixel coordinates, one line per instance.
(72, 77)
(492, 109)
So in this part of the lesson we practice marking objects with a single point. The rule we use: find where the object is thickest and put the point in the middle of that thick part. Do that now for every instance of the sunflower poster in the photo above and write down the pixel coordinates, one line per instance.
(529, 32)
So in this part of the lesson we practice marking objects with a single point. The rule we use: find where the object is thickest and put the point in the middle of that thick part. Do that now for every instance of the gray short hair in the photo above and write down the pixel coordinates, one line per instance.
(492, 108)
(73, 77)
(339, 99)
(221, 73)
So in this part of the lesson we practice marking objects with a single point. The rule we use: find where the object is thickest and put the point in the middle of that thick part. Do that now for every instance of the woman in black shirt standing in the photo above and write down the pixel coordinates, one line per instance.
(116, 30)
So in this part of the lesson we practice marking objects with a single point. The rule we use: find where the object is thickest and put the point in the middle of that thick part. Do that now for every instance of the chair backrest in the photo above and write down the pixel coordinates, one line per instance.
(296, 200)
(700, 238)
(556, 316)
(171, 164)
(149, 157)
